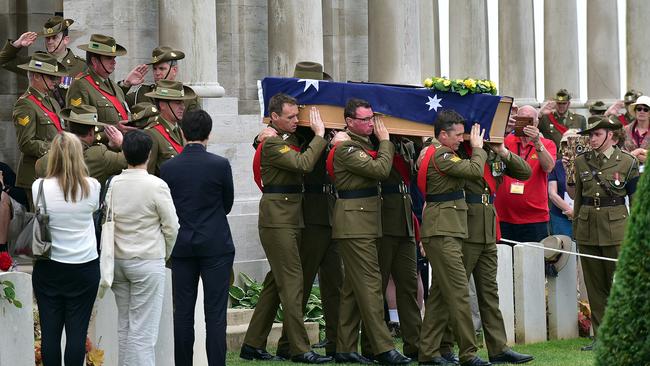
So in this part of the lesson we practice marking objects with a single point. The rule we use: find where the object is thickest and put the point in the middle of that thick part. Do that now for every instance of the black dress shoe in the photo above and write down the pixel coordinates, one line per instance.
(451, 358)
(511, 356)
(392, 357)
(311, 357)
(283, 355)
(251, 353)
(476, 361)
(351, 357)
(590, 346)
(437, 360)
(322, 344)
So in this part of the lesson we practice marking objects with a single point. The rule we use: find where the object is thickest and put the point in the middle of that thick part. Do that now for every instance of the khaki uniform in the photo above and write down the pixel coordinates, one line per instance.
(357, 226)
(137, 95)
(280, 228)
(444, 228)
(570, 120)
(81, 92)
(479, 249)
(101, 162)
(34, 132)
(162, 150)
(10, 60)
(599, 223)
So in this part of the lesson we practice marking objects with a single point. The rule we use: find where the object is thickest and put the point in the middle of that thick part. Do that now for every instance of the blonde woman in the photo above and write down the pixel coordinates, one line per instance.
(66, 285)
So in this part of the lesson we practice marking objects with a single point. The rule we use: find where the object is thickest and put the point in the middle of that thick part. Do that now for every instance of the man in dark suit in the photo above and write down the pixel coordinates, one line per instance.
(202, 189)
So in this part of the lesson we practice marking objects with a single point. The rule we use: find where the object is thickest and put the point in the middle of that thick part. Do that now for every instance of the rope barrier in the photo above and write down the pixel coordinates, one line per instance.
(558, 250)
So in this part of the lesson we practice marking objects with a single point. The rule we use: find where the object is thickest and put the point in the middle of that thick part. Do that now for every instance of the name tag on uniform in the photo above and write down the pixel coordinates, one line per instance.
(517, 188)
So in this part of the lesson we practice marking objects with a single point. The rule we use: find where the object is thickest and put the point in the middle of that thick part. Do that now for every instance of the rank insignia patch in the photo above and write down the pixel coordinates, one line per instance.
(76, 102)
(23, 121)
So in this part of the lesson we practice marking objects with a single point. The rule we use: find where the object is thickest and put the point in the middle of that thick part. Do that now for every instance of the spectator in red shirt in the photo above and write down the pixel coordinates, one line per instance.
(522, 206)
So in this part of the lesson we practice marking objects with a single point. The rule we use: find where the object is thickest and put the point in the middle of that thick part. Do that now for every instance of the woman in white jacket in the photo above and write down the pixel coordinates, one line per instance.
(146, 226)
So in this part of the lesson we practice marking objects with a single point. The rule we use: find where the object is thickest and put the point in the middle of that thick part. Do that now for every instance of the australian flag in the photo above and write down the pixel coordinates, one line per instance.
(414, 104)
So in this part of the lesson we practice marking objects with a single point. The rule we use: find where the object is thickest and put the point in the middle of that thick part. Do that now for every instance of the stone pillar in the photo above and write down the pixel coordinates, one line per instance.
(295, 34)
(191, 26)
(603, 71)
(638, 54)
(17, 324)
(530, 302)
(517, 51)
(394, 42)
(505, 282)
(134, 25)
(468, 39)
(345, 39)
(561, 68)
(429, 39)
(562, 301)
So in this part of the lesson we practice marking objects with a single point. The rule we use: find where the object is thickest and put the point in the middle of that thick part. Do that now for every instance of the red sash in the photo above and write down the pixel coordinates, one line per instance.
(329, 164)
(416, 228)
(560, 127)
(257, 164)
(492, 184)
(52, 115)
(112, 98)
(165, 134)
(402, 168)
(621, 117)
(424, 168)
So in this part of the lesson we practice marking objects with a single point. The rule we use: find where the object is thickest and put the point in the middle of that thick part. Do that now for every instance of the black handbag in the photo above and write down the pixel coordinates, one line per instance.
(98, 216)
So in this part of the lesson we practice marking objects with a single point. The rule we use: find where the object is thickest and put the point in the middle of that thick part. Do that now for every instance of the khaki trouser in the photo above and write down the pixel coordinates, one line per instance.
(361, 297)
(283, 284)
(448, 300)
(599, 275)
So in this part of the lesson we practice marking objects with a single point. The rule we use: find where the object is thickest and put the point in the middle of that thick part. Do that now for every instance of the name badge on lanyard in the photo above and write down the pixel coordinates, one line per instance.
(517, 188)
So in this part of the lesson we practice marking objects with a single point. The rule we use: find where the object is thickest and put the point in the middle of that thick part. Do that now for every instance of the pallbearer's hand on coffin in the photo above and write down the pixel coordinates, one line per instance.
(476, 136)
(381, 132)
(339, 137)
(315, 122)
(266, 133)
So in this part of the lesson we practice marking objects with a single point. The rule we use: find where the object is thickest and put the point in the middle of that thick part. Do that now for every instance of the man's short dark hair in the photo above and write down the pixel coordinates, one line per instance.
(352, 105)
(278, 101)
(446, 120)
(136, 147)
(196, 125)
(79, 129)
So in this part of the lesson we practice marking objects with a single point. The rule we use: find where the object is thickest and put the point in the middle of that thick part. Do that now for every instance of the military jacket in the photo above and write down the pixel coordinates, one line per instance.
(570, 120)
(34, 132)
(81, 92)
(101, 162)
(162, 150)
(281, 165)
(136, 95)
(318, 203)
(9, 59)
(355, 169)
(447, 173)
(481, 217)
(596, 177)
(396, 208)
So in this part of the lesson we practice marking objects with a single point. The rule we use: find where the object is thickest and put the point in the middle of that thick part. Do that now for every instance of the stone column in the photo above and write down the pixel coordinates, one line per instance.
(295, 34)
(345, 39)
(394, 41)
(638, 53)
(603, 72)
(517, 51)
(429, 39)
(134, 25)
(468, 39)
(191, 26)
(561, 68)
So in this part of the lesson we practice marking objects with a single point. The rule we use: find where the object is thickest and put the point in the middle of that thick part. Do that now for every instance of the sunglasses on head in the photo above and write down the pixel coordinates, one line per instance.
(642, 109)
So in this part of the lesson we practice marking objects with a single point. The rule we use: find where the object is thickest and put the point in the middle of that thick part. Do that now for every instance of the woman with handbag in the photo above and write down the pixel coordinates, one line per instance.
(65, 285)
(145, 228)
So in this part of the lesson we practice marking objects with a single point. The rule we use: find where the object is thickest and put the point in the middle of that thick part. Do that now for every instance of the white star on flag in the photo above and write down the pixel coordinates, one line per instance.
(308, 83)
(434, 103)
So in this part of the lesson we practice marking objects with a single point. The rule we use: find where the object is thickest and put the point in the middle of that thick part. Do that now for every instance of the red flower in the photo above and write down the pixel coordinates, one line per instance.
(5, 261)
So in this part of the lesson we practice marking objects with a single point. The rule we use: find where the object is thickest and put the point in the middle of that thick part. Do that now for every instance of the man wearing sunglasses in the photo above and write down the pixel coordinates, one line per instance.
(556, 123)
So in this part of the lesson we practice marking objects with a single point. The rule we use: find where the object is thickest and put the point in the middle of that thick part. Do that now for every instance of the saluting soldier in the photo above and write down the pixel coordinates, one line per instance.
(356, 169)
(169, 97)
(282, 163)
(101, 162)
(556, 123)
(164, 61)
(35, 116)
(480, 250)
(442, 175)
(55, 34)
(604, 176)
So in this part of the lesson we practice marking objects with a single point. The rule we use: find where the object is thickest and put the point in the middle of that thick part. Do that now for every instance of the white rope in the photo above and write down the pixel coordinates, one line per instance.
(558, 250)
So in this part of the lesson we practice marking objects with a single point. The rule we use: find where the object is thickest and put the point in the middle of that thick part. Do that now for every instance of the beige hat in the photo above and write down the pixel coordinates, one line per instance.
(103, 45)
(83, 114)
(642, 100)
(171, 90)
(44, 63)
(554, 259)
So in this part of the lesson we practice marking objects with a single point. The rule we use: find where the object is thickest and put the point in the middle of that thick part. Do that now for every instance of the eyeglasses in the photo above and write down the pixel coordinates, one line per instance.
(642, 109)
(367, 119)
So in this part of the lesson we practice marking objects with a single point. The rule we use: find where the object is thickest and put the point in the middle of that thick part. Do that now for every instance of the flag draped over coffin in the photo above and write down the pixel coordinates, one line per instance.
(414, 104)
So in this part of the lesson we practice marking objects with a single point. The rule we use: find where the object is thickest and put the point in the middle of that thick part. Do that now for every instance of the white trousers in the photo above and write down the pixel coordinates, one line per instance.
(139, 286)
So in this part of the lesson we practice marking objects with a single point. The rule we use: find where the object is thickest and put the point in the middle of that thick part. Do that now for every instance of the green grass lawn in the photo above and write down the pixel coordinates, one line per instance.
(553, 353)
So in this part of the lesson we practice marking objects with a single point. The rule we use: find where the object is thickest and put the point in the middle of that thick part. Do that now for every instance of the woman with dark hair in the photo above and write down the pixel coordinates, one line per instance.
(146, 226)
(66, 285)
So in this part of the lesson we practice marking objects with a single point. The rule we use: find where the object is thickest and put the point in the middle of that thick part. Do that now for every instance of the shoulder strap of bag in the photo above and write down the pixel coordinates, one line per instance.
(109, 208)
(41, 197)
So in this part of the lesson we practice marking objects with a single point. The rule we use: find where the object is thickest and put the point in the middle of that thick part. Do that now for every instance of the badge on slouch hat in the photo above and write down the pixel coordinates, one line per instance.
(164, 54)
(44, 63)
